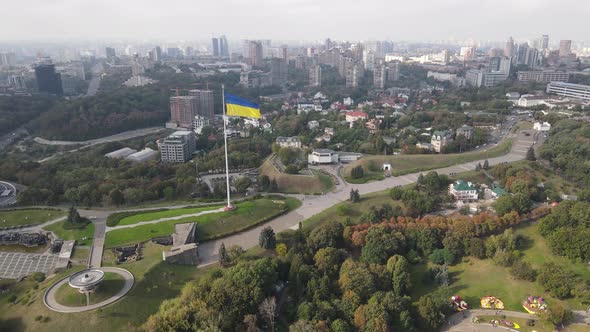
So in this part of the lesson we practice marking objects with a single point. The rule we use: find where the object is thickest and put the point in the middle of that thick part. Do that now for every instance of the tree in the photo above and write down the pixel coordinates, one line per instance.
(401, 276)
(264, 182)
(267, 238)
(74, 216)
(250, 323)
(523, 270)
(530, 154)
(326, 235)
(442, 276)
(442, 256)
(380, 244)
(557, 315)
(291, 169)
(273, 185)
(224, 259)
(267, 310)
(478, 167)
(117, 197)
(429, 309)
(357, 172)
(486, 164)
(558, 281)
(354, 195)
(242, 184)
(281, 249)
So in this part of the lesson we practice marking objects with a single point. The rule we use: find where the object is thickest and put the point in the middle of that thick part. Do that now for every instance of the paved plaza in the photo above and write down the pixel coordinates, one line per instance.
(15, 265)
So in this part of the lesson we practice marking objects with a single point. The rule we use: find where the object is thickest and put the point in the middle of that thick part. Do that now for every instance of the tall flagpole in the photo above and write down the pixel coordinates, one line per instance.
(229, 206)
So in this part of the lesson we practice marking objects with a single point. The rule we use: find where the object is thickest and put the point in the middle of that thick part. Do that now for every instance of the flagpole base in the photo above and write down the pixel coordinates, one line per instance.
(229, 208)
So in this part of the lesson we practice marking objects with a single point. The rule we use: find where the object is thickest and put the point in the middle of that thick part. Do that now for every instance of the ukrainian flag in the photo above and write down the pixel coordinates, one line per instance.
(236, 106)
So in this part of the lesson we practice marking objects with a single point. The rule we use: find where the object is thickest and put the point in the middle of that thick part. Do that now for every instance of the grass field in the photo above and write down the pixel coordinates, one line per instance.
(69, 296)
(209, 226)
(404, 164)
(149, 216)
(474, 278)
(28, 217)
(302, 184)
(73, 234)
(353, 210)
(155, 281)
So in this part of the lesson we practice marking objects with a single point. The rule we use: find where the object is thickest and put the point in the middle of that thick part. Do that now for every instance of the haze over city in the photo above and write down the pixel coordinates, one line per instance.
(67, 20)
(294, 165)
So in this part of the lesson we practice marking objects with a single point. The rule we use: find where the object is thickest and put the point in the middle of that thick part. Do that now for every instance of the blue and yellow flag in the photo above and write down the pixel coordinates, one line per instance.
(236, 106)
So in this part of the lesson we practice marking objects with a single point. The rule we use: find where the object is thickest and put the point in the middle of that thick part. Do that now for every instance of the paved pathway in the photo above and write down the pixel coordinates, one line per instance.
(315, 204)
(108, 229)
(461, 322)
(51, 303)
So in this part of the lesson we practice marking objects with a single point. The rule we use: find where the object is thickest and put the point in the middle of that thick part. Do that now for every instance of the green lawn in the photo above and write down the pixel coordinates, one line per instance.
(353, 210)
(155, 281)
(110, 286)
(404, 164)
(326, 180)
(73, 234)
(536, 252)
(209, 226)
(474, 278)
(28, 216)
(149, 216)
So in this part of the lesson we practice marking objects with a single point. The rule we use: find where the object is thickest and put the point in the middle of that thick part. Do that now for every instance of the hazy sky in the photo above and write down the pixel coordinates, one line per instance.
(293, 19)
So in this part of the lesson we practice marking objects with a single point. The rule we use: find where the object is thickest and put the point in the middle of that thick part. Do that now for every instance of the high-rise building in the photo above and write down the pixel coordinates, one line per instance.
(223, 47)
(369, 59)
(545, 42)
(498, 71)
(17, 82)
(445, 56)
(183, 110)
(173, 52)
(521, 53)
(353, 72)
(392, 71)
(205, 102)
(48, 81)
(278, 71)
(255, 54)
(532, 58)
(315, 76)
(284, 52)
(178, 147)
(468, 53)
(7, 59)
(565, 48)
(110, 53)
(509, 48)
(215, 46)
(379, 76)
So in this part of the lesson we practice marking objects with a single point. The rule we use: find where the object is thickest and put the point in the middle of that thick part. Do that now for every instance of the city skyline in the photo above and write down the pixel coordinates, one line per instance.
(240, 19)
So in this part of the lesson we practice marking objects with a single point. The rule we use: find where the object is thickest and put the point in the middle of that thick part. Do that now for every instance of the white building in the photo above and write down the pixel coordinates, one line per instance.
(575, 91)
(544, 126)
(440, 139)
(178, 147)
(348, 101)
(313, 124)
(143, 155)
(327, 156)
(121, 153)
(355, 116)
(289, 142)
(463, 191)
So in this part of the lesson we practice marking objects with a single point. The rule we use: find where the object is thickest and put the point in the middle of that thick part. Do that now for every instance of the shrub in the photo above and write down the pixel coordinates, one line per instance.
(357, 172)
(523, 270)
(38, 276)
(441, 256)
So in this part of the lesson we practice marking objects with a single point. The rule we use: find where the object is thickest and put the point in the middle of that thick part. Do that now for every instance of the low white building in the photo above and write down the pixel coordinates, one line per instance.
(322, 156)
(289, 142)
(313, 124)
(348, 101)
(355, 116)
(327, 156)
(463, 191)
(542, 126)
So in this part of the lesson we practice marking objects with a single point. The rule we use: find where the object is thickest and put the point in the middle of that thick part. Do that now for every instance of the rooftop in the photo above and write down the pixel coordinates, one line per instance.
(461, 185)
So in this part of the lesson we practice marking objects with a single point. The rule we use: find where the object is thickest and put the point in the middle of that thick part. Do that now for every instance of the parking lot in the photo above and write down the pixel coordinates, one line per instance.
(15, 265)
